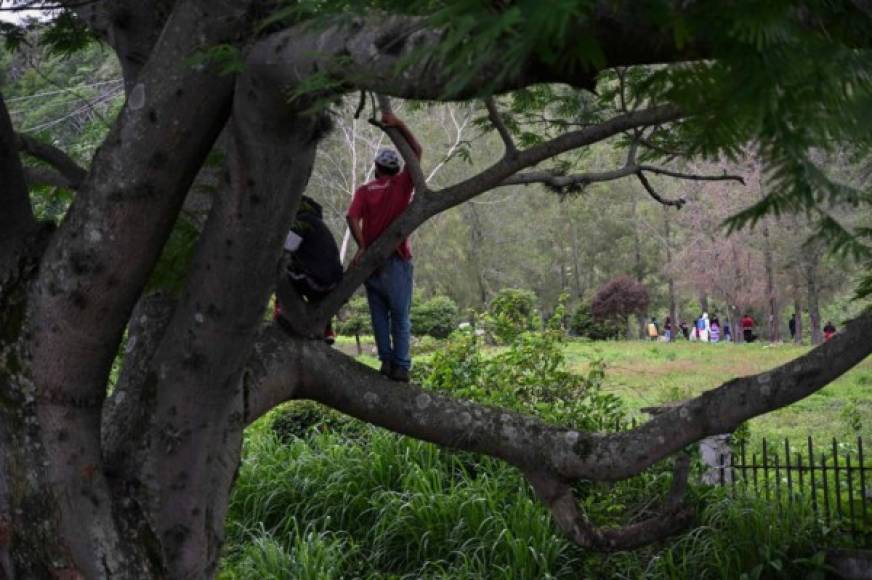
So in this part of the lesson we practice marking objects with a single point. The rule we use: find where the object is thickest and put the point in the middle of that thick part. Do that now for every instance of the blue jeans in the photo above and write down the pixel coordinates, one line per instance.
(389, 292)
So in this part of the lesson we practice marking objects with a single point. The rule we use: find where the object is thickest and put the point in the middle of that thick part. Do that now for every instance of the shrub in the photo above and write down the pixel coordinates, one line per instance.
(435, 317)
(531, 376)
(511, 312)
(584, 324)
(299, 419)
(618, 299)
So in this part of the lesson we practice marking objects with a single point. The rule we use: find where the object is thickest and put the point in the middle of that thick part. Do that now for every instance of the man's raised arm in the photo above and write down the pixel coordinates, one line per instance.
(391, 120)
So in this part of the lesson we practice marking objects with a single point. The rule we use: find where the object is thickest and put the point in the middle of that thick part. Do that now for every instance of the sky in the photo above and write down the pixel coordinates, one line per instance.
(18, 16)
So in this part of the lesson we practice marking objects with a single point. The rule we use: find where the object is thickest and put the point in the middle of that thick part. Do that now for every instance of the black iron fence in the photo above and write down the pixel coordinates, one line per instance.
(834, 479)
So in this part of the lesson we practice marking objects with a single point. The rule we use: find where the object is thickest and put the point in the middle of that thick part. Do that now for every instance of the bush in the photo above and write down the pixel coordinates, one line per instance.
(435, 317)
(531, 377)
(300, 419)
(511, 312)
(618, 299)
(584, 324)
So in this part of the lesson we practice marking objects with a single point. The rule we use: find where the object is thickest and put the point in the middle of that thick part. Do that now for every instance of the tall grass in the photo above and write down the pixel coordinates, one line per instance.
(383, 506)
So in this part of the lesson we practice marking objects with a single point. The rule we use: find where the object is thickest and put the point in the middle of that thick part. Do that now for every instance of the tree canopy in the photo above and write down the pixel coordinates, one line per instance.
(135, 482)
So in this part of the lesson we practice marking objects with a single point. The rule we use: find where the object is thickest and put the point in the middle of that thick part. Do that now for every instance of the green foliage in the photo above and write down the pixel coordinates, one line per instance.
(435, 317)
(739, 538)
(66, 34)
(511, 312)
(300, 419)
(585, 325)
(387, 506)
(397, 507)
(530, 376)
(851, 417)
(354, 318)
(305, 554)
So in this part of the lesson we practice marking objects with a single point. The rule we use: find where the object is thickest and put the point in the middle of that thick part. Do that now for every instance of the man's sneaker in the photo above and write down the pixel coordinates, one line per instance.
(386, 369)
(400, 374)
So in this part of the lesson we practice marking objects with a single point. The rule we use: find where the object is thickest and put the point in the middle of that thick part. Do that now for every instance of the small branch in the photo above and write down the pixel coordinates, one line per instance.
(68, 168)
(403, 147)
(691, 176)
(360, 105)
(558, 496)
(679, 203)
(500, 125)
(567, 183)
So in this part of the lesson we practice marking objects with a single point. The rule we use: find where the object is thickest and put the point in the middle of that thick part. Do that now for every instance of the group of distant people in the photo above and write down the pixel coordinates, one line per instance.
(707, 329)
(704, 329)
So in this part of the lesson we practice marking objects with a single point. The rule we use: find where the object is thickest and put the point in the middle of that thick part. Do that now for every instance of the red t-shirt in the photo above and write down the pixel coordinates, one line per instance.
(747, 322)
(378, 203)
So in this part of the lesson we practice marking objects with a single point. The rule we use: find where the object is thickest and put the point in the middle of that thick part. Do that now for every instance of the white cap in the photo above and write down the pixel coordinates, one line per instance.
(388, 159)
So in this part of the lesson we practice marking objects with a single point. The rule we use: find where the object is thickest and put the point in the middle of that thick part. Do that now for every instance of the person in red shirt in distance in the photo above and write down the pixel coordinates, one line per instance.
(748, 328)
(374, 207)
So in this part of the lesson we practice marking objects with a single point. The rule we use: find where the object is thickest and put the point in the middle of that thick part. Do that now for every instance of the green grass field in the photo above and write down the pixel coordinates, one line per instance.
(645, 374)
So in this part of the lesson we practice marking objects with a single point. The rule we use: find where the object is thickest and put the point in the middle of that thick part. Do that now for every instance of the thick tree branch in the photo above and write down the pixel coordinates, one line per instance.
(551, 456)
(36, 176)
(71, 172)
(131, 198)
(336, 380)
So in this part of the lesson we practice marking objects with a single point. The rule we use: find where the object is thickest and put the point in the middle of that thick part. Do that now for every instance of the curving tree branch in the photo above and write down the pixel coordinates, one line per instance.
(551, 456)
(72, 175)
(679, 203)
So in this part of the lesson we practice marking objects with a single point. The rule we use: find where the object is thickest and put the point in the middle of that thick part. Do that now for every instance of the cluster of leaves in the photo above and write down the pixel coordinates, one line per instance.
(300, 419)
(435, 317)
(511, 313)
(530, 376)
(584, 324)
(63, 34)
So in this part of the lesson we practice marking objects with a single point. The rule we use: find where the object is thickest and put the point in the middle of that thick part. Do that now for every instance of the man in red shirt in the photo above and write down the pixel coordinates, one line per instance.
(374, 207)
(748, 328)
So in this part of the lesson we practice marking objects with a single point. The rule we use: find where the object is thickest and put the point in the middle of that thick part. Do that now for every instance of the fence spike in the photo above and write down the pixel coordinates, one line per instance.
(836, 485)
(826, 488)
(850, 496)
